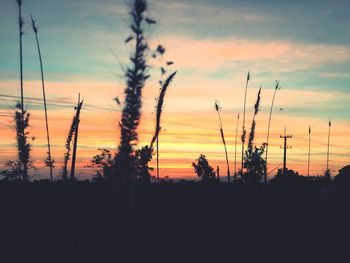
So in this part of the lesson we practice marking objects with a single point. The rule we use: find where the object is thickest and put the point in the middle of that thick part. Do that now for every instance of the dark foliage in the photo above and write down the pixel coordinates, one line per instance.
(254, 164)
(142, 157)
(204, 171)
(343, 176)
(104, 162)
(12, 172)
(23, 146)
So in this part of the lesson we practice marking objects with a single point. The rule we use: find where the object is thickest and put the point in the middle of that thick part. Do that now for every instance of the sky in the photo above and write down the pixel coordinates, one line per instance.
(303, 44)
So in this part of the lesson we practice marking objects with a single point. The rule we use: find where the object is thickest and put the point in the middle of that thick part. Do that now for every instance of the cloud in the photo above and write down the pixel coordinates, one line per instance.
(208, 55)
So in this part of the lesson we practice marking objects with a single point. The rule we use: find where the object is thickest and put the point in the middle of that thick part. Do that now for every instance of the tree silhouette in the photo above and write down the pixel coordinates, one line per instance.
(104, 162)
(204, 171)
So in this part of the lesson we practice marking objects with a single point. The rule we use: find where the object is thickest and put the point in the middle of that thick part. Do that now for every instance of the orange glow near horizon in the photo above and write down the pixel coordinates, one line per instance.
(186, 133)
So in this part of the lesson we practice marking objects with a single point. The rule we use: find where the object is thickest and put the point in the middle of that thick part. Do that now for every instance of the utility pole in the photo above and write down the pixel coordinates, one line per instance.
(285, 147)
(75, 143)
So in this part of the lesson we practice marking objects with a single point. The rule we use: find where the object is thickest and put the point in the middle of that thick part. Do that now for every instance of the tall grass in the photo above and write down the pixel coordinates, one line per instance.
(254, 163)
(277, 87)
(328, 172)
(21, 116)
(75, 142)
(159, 107)
(243, 123)
(49, 161)
(72, 132)
(218, 109)
(252, 129)
(236, 139)
(309, 153)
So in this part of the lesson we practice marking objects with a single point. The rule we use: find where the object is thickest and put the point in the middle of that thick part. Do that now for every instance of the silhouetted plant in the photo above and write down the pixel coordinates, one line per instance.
(159, 107)
(71, 133)
(68, 149)
(244, 132)
(104, 162)
(136, 76)
(277, 87)
(23, 147)
(218, 109)
(12, 172)
(204, 171)
(254, 163)
(75, 141)
(343, 176)
(142, 157)
(287, 177)
(21, 116)
(48, 162)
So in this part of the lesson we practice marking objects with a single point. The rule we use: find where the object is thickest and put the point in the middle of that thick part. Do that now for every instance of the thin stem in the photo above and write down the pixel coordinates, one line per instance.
(243, 124)
(308, 161)
(268, 131)
(45, 105)
(235, 175)
(329, 138)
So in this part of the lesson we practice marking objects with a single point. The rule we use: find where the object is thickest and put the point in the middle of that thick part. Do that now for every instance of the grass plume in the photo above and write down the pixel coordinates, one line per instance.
(160, 107)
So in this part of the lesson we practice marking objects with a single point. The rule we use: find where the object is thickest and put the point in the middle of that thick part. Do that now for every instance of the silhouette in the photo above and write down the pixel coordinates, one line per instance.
(243, 123)
(136, 75)
(235, 175)
(21, 116)
(104, 162)
(23, 147)
(218, 109)
(343, 177)
(277, 87)
(49, 162)
(72, 132)
(328, 172)
(75, 142)
(254, 163)
(285, 137)
(204, 171)
(309, 153)
(159, 109)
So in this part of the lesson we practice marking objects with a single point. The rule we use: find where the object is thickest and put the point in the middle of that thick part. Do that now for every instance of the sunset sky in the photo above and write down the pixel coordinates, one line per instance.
(303, 44)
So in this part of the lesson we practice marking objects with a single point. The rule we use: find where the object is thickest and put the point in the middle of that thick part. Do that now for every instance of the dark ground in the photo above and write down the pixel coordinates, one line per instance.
(82, 222)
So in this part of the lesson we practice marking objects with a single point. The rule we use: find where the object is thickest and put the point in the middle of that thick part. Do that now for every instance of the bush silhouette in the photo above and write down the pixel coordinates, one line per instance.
(204, 171)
